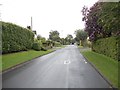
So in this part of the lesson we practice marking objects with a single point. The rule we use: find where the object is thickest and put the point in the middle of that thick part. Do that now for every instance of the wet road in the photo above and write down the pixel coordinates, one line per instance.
(64, 68)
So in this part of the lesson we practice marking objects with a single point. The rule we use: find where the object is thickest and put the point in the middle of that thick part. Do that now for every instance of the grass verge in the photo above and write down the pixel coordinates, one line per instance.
(10, 60)
(107, 66)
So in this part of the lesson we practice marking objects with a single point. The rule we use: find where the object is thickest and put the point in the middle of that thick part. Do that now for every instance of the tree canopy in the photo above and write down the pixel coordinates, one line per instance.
(102, 20)
(80, 35)
(54, 36)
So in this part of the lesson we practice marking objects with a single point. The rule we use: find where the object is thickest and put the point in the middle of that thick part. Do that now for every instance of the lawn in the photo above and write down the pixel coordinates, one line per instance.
(107, 66)
(10, 60)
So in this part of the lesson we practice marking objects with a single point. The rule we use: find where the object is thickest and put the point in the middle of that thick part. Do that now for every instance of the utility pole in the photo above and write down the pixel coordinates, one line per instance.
(31, 24)
(32, 27)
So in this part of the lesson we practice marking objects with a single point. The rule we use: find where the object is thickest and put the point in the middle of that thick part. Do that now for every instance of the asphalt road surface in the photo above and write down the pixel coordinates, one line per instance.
(64, 68)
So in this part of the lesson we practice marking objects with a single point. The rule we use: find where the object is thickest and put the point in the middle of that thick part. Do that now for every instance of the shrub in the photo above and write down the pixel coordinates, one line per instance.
(108, 46)
(43, 49)
(57, 44)
(15, 38)
(36, 46)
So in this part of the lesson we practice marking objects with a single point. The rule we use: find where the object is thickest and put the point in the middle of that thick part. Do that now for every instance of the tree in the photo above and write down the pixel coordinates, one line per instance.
(91, 20)
(62, 41)
(54, 36)
(80, 36)
(69, 38)
(109, 18)
(102, 20)
(39, 37)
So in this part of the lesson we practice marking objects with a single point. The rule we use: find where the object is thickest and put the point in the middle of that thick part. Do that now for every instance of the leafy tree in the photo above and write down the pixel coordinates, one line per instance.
(80, 36)
(69, 38)
(91, 20)
(39, 37)
(109, 18)
(43, 39)
(102, 20)
(63, 42)
(54, 36)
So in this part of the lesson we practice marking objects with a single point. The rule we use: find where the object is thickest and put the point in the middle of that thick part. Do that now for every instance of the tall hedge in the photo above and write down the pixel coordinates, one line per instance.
(15, 38)
(108, 46)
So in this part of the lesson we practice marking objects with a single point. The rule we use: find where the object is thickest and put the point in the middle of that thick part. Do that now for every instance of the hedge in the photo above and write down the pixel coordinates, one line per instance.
(15, 38)
(108, 46)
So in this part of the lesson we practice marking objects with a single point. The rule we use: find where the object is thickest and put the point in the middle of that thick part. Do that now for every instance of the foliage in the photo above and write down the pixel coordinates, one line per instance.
(69, 39)
(62, 41)
(102, 20)
(39, 37)
(48, 44)
(108, 47)
(39, 43)
(54, 36)
(91, 18)
(109, 18)
(57, 44)
(16, 38)
(36, 46)
(80, 36)
(43, 48)
(43, 39)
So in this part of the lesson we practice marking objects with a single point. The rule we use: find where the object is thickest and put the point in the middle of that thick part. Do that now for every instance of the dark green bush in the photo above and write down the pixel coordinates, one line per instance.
(15, 38)
(36, 46)
(108, 46)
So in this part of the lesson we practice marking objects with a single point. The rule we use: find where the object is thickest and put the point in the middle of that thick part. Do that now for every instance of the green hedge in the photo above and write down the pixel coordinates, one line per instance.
(108, 46)
(15, 38)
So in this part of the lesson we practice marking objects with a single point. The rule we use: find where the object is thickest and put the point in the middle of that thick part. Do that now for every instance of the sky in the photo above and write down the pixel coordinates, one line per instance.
(65, 16)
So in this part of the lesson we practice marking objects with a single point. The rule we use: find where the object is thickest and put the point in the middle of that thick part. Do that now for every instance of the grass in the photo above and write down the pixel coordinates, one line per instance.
(107, 66)
(10, 60)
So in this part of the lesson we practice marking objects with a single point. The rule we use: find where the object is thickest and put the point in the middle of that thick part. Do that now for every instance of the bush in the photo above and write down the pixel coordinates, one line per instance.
(57, 44)
(15, 38)
(43, 49)
(108, 46)
(36, 46)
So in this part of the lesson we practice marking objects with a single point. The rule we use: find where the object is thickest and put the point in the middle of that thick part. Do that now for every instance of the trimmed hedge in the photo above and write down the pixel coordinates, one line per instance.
(108, 46)
(16, 38)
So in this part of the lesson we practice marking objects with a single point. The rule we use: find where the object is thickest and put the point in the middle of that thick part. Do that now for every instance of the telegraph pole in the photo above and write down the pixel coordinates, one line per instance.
(31, 24)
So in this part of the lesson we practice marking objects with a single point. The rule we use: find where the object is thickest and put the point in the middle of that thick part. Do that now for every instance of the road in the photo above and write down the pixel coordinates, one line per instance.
(64, 68)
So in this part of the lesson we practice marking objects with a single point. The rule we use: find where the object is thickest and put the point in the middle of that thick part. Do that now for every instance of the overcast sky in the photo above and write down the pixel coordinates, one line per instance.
(62, 15)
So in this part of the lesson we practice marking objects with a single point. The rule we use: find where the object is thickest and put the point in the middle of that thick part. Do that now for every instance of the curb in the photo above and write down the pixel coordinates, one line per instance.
(22, 64)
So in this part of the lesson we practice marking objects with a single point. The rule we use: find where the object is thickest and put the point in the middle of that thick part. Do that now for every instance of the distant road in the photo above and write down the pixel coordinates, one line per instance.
(64, 68)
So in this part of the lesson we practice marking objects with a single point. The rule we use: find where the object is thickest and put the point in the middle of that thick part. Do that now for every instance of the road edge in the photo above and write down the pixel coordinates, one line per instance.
(112, 86)
(23, 63)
